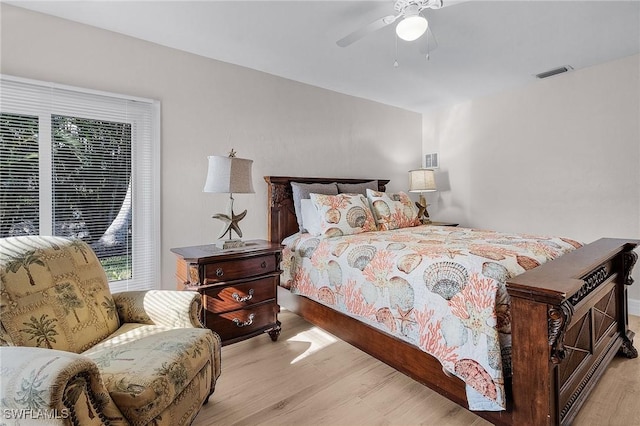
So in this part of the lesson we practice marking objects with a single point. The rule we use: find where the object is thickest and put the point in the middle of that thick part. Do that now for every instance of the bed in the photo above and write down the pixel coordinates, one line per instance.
(568, 319)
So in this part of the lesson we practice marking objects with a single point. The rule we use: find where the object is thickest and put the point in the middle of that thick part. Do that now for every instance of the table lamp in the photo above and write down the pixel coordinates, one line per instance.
(230, 175)
(422, 180)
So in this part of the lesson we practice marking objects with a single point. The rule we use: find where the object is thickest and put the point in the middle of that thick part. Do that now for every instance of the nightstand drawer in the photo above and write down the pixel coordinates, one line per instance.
(234, 324)
(231, 297)
(239, 268)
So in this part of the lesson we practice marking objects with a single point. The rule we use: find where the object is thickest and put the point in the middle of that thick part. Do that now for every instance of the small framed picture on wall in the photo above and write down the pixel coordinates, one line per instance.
(431, 161)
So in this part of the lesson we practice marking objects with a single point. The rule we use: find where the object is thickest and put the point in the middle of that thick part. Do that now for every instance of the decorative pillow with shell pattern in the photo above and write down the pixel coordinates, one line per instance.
(393, 211)
(343, 214)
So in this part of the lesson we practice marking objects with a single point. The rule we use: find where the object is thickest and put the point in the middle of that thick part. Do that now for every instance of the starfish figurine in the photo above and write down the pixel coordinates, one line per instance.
(230, 221)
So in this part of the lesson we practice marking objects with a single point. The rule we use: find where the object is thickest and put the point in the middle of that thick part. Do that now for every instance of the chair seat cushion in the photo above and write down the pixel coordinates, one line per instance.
(144, 367)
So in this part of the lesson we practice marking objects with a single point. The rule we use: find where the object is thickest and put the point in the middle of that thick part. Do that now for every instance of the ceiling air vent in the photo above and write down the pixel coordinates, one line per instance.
(554, 71)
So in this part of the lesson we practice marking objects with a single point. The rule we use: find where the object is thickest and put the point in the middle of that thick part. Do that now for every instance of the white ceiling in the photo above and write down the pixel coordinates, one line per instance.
(483, 46)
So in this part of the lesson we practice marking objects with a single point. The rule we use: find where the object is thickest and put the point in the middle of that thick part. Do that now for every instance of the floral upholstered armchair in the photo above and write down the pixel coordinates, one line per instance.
(73, 353)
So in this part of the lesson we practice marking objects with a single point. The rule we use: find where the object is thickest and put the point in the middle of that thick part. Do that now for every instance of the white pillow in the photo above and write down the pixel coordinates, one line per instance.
(310, 217)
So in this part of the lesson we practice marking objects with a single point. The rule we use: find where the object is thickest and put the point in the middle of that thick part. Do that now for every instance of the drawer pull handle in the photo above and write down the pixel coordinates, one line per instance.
(239, 323)
(241, 299)
(219, 272)
(263, 265)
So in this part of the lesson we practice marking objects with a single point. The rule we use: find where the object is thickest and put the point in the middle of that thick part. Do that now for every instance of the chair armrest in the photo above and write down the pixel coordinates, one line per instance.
(62, 387)
(170, 308)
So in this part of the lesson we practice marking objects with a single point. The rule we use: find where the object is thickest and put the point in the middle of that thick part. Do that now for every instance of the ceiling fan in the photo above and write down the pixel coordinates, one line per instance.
(411, 27)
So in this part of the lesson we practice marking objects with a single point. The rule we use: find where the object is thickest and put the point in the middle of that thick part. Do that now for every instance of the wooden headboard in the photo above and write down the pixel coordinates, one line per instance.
(281, 213)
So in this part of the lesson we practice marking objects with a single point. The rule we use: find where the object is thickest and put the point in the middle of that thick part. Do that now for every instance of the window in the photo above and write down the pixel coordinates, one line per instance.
(83, 164)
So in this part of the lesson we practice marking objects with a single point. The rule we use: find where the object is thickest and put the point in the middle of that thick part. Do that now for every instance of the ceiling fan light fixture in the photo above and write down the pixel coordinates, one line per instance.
(412, 27)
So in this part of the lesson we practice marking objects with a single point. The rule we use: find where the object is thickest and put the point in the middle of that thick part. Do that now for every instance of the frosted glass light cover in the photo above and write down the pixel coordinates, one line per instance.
(412, 27)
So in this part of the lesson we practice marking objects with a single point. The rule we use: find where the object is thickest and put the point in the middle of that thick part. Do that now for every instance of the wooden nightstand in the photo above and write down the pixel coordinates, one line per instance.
(238, 287)
(442, 223)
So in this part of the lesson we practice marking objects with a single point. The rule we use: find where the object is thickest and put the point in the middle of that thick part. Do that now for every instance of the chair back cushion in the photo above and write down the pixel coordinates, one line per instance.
(54, 294)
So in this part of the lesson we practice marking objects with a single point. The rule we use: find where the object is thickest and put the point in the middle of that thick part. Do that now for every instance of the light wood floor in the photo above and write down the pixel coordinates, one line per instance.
(309, 377)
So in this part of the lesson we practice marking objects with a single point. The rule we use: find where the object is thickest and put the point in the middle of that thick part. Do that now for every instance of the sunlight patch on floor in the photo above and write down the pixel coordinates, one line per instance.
(317, 339)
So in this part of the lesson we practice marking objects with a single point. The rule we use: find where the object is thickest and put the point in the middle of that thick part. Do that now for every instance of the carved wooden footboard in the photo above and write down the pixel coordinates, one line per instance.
(569, 319)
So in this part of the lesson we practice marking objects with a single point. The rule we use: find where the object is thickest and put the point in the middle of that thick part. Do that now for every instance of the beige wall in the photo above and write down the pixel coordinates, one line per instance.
(208, 107)
(560, 156)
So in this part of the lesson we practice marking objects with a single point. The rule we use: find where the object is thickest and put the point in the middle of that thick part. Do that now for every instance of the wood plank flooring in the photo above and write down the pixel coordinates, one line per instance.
(310, 377)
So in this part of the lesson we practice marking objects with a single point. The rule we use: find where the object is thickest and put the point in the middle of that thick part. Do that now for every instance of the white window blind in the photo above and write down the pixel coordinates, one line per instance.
(83, 164)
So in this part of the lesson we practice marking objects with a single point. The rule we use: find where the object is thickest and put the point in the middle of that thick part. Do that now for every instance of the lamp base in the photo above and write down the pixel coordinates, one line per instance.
(423, 214)
(231, 224)
(229, 244)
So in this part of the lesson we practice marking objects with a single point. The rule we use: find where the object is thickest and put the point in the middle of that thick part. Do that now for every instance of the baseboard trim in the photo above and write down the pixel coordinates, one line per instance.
(634, 307)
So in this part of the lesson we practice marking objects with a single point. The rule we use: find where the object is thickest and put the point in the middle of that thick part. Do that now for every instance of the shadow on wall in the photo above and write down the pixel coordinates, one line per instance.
(442, 180)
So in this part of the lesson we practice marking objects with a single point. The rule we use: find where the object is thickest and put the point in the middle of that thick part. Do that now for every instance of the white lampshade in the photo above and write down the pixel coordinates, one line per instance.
(412, 27)
(422, 180)
(229, 175)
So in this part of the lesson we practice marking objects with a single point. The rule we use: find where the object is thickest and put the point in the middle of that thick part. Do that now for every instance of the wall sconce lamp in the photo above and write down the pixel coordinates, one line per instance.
(229, 175)
(422, 180)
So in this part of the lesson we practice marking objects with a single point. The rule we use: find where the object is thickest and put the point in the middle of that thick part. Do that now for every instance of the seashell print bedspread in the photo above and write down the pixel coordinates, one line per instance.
(440, 288)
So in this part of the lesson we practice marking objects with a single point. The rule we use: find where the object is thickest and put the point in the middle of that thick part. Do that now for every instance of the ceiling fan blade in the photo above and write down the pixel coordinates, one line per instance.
(367, 29)
(435, 4)
(428, 42)
(447, 3)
